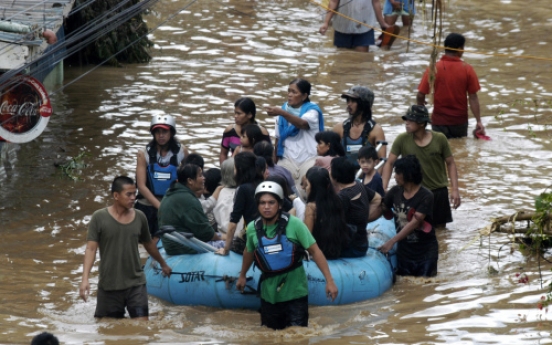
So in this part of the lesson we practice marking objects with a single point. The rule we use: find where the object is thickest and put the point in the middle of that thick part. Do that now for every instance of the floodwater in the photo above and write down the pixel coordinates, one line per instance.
(214, 52)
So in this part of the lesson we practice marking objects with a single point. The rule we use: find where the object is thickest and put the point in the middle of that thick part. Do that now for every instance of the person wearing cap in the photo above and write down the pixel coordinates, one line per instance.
(411, 205)
(284, 287)
(360, 128)
(358, 33)
(297, 122)
(156, 167)
(455, 87)
(433, 151)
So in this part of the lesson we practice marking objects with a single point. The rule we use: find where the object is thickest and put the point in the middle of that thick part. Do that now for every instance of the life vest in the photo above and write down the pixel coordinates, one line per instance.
(353, 146)
(159, 178)
(277, 255)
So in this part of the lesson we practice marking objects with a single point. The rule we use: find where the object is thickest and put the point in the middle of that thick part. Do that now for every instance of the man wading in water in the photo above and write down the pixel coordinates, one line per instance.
(117, 230)
(275, 241)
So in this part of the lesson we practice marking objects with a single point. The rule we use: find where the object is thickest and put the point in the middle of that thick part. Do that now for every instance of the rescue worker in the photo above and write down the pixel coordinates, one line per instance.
(156, 167)
(360, 128)
(275, 242)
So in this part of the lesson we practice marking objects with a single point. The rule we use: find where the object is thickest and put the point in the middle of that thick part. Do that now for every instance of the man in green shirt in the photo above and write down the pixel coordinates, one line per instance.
(284, 288)
(116, 231)
(433, 151)
(182, 209)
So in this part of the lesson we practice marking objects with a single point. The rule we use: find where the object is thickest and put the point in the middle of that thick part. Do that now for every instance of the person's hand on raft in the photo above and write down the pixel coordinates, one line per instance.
(240, 284)
(386, 247)
(166, 270)
(331, 290)
(222, 252)
(273, 111)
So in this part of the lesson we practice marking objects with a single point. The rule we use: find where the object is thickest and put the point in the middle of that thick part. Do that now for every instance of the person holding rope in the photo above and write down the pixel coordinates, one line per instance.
(357, 34)
(116, 231)
(276, 242)
(454, 80)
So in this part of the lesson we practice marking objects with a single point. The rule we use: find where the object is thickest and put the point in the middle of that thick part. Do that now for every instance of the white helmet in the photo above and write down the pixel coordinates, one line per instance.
(164, 121)
(270, 187)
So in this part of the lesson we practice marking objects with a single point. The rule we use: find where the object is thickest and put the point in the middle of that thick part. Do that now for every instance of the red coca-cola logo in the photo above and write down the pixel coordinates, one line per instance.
(25, 109)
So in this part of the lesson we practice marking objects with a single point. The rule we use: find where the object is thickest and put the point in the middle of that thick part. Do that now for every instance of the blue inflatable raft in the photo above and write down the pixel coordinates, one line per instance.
(210, 280)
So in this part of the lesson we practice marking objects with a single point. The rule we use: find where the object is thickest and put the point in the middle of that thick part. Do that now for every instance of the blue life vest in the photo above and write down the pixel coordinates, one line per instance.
(277, 255)
(160, 177)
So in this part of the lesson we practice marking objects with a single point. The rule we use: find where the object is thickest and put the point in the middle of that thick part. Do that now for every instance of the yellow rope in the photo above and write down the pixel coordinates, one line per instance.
(532, 57)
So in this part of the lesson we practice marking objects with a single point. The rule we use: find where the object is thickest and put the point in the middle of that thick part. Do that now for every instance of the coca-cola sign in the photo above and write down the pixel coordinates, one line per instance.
(25, 109)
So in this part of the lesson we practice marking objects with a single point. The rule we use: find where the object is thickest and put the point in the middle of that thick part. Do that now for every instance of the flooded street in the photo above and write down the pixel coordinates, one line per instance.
(214, 52)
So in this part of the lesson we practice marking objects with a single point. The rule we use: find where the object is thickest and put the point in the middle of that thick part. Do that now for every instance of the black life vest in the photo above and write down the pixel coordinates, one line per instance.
(277, 255)
(159, 178)
(352, 150)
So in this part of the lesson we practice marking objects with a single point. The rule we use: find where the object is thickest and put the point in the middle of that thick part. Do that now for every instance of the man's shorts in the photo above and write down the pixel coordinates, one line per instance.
(285, 314)
(113, 303)
(441, 206)
(388, 9)
(350, 41)
(458, 131)
(425, 268)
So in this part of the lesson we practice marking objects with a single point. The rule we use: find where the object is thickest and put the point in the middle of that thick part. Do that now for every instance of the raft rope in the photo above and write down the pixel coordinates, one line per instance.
(228, 280)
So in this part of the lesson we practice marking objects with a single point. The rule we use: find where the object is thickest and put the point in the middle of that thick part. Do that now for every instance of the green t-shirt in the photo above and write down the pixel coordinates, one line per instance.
(432, 157)
(293, 284)
(120, 264)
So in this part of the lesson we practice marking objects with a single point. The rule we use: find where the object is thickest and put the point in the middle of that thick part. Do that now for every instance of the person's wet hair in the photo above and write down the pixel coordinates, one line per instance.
(334, 140)
(454, 40)
(343, 170)
(186, 171)
(330, 229)
(212, 179)
(303, 85)
(266, 150)
(247, 105)
(253, 134)
(194, 158)
(227, 173)
(45, 338)
(367, 152)
(119, 183)
(246, 168)
(409, 167)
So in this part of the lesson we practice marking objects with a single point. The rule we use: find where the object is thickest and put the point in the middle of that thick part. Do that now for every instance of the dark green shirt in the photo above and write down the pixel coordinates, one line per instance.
(432, 157)
(120, 264)
(182, 209)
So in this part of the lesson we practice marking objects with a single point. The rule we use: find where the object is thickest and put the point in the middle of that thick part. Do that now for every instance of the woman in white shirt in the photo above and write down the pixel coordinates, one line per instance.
(297, 122)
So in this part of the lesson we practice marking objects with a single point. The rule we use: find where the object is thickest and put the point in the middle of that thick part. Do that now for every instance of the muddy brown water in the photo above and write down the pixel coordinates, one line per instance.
(217, 51)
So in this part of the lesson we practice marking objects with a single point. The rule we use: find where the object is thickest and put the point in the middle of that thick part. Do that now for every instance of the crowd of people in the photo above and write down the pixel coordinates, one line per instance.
(307, 188)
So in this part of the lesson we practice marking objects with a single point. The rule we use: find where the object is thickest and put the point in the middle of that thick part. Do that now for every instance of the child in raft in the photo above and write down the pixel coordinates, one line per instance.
(250, 135)
(368, 159)
(412, 208)
(328, 147)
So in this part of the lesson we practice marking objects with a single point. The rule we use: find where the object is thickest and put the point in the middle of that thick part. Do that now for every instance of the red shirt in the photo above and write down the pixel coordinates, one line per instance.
(454, 80)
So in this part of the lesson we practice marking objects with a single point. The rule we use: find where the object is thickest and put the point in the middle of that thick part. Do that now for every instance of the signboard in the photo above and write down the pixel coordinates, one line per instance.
(25, 109)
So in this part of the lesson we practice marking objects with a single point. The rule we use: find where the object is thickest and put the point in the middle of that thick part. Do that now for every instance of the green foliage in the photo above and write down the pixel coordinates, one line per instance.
(71, 168)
